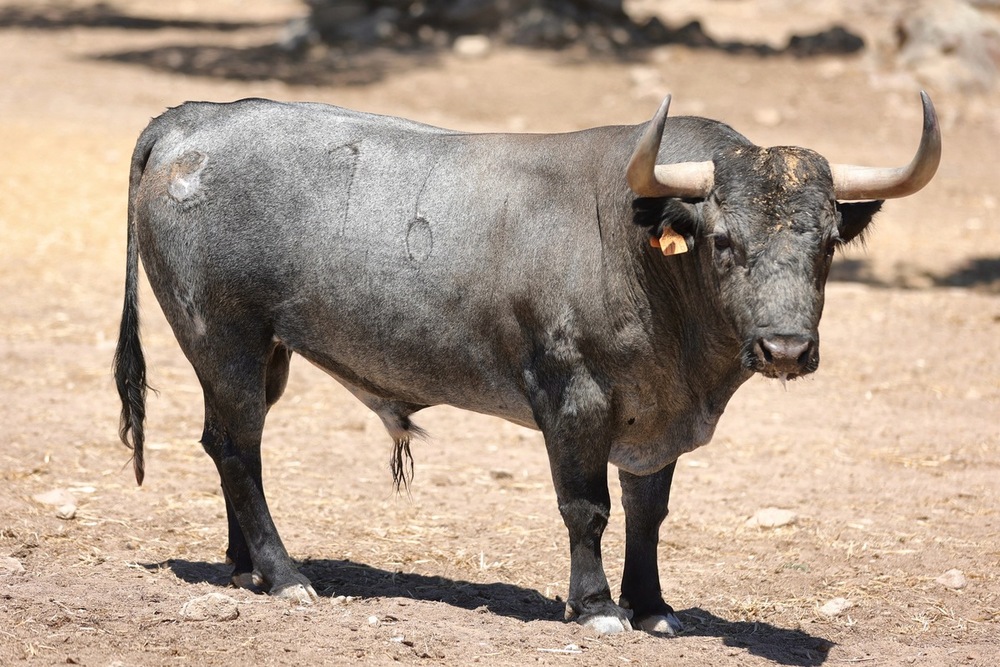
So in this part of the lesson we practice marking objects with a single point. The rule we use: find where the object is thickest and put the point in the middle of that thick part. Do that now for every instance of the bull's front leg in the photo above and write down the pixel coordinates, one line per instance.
(575, 430)
(645, 501)
(584, 503)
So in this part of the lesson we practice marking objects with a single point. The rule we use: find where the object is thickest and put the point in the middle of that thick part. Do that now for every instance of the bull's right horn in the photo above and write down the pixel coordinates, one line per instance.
(684, 179)
(853, 182)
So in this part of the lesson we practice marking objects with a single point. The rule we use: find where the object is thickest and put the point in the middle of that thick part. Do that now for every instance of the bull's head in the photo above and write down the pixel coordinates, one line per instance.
(766, 222)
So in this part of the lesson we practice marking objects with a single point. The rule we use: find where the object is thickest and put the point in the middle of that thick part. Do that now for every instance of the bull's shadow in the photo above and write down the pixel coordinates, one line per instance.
(345, 577)
(782, 646)
(779, 645)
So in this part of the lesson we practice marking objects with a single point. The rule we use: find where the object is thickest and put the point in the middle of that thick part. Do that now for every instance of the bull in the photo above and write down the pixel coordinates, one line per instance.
(611, 287)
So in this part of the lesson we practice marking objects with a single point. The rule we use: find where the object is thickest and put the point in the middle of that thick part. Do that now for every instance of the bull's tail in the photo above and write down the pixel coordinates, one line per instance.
(129, 362)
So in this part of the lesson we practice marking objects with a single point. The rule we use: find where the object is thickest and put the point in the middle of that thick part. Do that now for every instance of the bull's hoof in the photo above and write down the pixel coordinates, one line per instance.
(657, 618)
(606, 625)
(245, 580)
(604, 618)
(302, 594)
(665, 624)
(298, 590)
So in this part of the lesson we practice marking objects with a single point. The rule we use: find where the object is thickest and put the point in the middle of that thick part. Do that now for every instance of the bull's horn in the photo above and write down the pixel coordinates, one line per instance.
(648, 179)
(853, 182)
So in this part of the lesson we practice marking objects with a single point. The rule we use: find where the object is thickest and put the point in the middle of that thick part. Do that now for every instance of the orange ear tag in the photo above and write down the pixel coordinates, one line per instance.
(670, 243)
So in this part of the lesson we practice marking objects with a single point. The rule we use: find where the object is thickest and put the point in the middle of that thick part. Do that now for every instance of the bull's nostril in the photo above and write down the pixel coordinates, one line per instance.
(765, 351)
(804, 357)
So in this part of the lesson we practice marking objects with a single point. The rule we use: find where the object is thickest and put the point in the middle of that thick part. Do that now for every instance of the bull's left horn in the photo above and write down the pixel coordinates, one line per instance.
(648, 179)
(853, 182)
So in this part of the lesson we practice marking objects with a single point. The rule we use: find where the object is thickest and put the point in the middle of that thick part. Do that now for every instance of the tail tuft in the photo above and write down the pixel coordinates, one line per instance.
(401, 464)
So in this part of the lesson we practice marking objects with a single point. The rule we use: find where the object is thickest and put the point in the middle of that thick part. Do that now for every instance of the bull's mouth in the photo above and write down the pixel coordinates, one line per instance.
(779, 375)
(775, 373)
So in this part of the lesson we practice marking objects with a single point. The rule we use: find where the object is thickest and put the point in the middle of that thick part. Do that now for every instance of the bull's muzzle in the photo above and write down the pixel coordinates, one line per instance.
(785, 356)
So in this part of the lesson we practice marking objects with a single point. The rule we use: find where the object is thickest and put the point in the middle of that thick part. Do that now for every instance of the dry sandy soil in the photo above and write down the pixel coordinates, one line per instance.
(888, 456)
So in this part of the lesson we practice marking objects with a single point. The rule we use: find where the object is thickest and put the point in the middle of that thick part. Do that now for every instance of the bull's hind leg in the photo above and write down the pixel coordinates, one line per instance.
(645, 502)
(238, 393)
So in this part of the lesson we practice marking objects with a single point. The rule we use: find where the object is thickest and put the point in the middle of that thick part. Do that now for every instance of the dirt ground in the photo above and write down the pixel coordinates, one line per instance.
(888, 456)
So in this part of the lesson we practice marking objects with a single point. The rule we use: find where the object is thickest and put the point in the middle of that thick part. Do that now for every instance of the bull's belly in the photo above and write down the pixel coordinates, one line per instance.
(389, 385)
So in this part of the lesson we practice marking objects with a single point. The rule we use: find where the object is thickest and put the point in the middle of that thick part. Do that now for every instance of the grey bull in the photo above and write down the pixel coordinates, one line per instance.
(611, 287)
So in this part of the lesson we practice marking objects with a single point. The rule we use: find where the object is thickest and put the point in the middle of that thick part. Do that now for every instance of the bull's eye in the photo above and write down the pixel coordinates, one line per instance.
(722, 242)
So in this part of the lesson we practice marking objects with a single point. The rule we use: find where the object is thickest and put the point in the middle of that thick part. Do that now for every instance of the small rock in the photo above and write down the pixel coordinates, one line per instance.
(57, 497)
(374, 622)
(835, 607)
(211, 607)
(771, 517)
(953, 579)
(472, 46)
(9, 566)
(66, 512)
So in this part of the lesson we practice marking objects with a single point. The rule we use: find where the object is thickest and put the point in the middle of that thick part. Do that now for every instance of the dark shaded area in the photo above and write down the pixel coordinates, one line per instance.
(779, 645)
(980, 273)
(369, 43)
(345, 577)
(302, 64)
(602, 26)
(102, 15)
(854, 271)
(833, 41)
(272, 62)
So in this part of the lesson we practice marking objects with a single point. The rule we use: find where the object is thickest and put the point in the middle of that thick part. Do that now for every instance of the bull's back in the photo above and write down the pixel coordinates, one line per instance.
(376, 247)
(257, 194)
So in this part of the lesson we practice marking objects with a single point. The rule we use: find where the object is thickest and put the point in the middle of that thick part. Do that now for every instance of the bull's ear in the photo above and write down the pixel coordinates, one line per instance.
(657, 213)
(855, 218)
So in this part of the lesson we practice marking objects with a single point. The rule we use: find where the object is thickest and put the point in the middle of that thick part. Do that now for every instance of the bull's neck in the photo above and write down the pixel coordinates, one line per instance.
(699, 345)
(674, 297)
